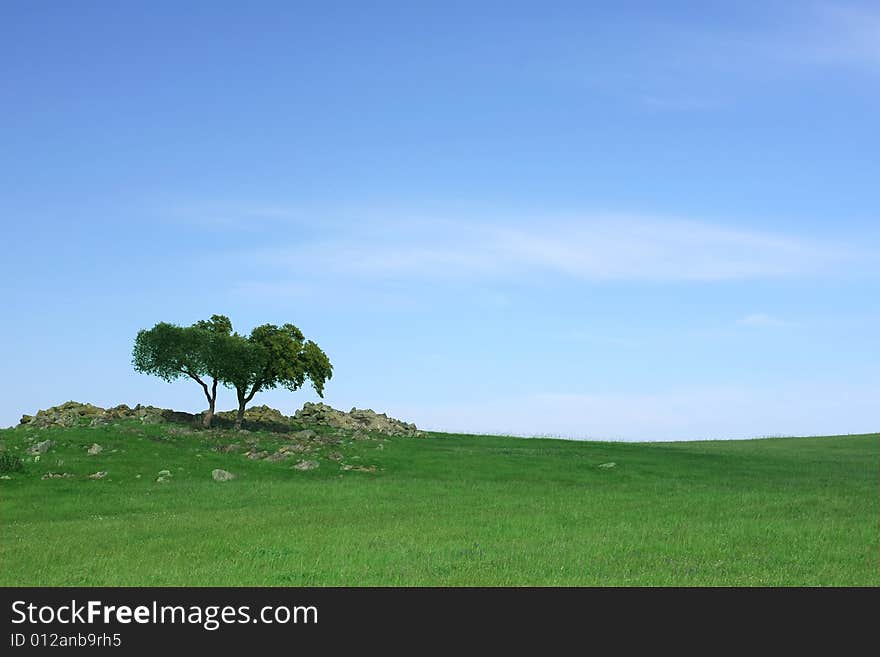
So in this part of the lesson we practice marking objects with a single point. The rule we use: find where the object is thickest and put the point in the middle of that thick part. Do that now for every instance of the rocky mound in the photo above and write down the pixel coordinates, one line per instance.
(355, 420)
(68, 414)
(258, 415)
(71, 414)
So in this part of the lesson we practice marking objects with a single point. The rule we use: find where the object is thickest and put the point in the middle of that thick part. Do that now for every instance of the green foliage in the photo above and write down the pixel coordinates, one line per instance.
(241, 363)
(10, 463)
(215, 338)
(170, 352)
(270, 357)
(282, 357)
(217, 325)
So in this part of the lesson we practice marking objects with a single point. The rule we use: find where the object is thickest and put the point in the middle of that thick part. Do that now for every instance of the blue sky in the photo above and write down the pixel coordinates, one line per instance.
(613, 220)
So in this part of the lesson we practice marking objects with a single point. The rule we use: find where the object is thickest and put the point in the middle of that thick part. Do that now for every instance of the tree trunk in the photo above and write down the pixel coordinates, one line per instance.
(240, 415)
(209, 416)
(243, 399)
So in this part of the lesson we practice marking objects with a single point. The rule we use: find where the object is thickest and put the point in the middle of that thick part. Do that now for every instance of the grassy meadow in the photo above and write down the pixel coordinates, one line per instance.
(440, 510)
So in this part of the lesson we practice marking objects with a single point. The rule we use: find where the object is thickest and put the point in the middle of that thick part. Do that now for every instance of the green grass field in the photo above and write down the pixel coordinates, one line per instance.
(442, 510)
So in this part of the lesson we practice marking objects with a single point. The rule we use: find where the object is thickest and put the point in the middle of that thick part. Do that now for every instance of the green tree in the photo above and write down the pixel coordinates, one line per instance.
(216, 340)
(171, 352)
(271, 357)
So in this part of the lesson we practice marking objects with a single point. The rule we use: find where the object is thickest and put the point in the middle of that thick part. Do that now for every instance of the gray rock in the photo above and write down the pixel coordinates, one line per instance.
(607, 465)
(57, 475)
(95, 449)
(98, 475)
(306, 465)
(359, 468)
(257, 415)
(41, 447)
(363, 420)
(68, 414)
(221, 475)
(71, 414)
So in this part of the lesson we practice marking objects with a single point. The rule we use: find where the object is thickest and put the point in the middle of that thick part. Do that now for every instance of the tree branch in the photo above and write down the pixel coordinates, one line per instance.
(202, 383)
(254, 391)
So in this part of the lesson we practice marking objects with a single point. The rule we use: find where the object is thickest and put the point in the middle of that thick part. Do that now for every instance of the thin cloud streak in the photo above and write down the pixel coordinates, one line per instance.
(589, 249)
(688, 68)
(844, 33)
(761, 320)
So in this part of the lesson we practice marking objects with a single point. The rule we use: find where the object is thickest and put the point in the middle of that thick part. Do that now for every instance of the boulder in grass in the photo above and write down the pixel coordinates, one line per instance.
(41, 447)
(221, 475)
(57, 475)
(358, 468)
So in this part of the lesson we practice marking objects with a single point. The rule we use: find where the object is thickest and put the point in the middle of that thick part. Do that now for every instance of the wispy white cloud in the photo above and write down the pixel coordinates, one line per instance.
(233, 215)
(682, 103)
(349, 294)
(698, 67)
(761, 320)
(274, 289)
(841, 33)
(598, 339)
(805, 36)
(589, 248)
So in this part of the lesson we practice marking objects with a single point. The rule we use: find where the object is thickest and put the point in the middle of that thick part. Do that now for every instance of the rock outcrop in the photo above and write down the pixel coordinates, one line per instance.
(68, 414)
(264, 415)
(72, 414)
(355, 420)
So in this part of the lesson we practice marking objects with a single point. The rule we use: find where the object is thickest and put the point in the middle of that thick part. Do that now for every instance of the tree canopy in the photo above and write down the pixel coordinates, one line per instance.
(270, 357)
(172, 352)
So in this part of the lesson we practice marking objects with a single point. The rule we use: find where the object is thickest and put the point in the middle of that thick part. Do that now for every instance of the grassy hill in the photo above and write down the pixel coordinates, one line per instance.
(439, 510)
